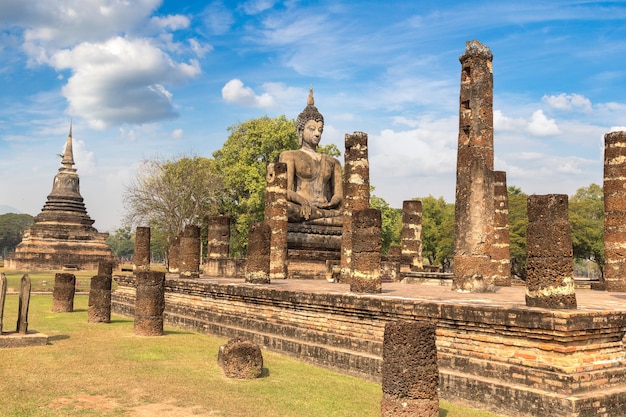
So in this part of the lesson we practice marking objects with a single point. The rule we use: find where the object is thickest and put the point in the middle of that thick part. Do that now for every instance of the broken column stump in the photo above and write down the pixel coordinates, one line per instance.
(174, 255)
(410, 375)
(241, 358)
(189, 252)
(63, 293)
(99, 310)
(258, 258)
(366, 247)
(218, 239)
(550, 266)
(149, 303)
(24, 303)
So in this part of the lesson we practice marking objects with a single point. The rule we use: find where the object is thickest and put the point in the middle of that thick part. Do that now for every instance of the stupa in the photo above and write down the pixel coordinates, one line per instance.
(62, 235)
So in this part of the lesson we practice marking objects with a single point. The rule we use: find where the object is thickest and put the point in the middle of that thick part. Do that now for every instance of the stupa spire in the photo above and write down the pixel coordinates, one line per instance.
(68, 155)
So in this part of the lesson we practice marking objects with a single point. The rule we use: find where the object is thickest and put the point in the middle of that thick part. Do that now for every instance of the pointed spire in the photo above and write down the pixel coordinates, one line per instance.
(68, 155)
(310, 101)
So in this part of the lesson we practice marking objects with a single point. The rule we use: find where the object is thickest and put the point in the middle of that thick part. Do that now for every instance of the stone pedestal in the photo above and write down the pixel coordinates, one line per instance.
(549, 267)
(63, 293)
(614, 211)
(366, 247)
(258, 259)
(149, 303)
(141, 257)
(410, 376)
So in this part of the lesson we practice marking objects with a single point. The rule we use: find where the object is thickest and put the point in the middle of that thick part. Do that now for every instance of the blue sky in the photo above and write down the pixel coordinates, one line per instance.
(142, 79)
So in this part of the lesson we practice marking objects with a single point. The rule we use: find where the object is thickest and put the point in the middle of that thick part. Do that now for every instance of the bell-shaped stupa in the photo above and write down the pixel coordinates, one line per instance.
(62, 235)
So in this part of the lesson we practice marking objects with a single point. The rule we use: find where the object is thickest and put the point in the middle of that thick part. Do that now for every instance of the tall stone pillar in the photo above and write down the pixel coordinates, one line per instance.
(190, 252)
(218, 237)
(63, 293)
(412, 234)
(276, 218)
(356, 193)
(410, 375)
(501, 252)
(550, 265)
(141, 258)
(149, 303)
(614, 212)
(174, 255)
(23, 304)
(258, 258)
(474, 206)
(366, 247)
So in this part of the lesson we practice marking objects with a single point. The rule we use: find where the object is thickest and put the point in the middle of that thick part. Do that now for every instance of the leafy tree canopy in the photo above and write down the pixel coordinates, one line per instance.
(391, 222)
(437, 231)
(518, 222)
(586, 218)
(11, 228)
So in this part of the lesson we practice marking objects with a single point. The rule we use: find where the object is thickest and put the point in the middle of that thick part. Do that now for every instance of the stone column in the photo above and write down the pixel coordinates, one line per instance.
(99, 308)
(258, 258)
(614, 212)
(501, 252)
(474, 204)
(149, 303)
(63, 293)
(106, 268)
(141, 258)
(366, 247)
(550, 265)
(24, 303)
(3, 296)
(412, 234)
(356, 193)
(410, 375)
(174, 255)
(276, 218)
(190, 252)
(218, 237)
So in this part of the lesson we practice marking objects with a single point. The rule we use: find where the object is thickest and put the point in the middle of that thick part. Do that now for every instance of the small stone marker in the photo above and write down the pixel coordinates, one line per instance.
(241, 358)
(410, 375)
(63, 293)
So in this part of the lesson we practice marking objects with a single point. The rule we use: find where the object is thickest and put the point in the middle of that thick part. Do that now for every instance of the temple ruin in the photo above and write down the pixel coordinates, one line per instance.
(62, 235)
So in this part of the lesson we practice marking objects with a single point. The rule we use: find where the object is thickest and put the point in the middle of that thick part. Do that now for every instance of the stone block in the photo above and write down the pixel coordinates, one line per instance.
(547, 208)
(241, 358)
(63, 293)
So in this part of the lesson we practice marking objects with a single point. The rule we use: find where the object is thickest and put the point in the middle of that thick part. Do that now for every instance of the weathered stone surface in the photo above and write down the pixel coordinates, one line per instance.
(63, 293)
(366, 246)
(276, 217)
(24, 303)
(62, 235)
(500, 251)
(412, 233)
(149, 303)
(410, 376)
(258, 259)
(189, 252)
(141, 257)
(174, 255)
(99, 307)
(106, 267)
(614, 278)
(241, 358)
(549, 267)
(218, 237)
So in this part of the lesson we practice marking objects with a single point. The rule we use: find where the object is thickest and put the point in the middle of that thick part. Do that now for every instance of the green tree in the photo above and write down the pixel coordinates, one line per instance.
(122, 243)
(11, 228)
(242, 163)
(391, 222)
(437, 231)
(518, 222)
(586, 218)
(168, 195)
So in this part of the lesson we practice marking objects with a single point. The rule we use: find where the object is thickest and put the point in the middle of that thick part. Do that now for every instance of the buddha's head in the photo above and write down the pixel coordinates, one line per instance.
(309, 113)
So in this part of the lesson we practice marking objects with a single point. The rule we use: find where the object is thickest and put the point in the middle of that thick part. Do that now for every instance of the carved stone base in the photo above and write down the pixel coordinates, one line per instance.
(313, 250)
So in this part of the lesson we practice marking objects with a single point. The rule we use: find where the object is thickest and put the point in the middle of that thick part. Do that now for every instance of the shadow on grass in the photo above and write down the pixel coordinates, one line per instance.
(442, 412)
(166, 332)
(57, 337)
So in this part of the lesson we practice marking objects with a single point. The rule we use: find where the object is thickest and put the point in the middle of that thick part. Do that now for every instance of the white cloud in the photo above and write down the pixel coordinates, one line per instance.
(171, 22)
(540, 125)
(257, 6)
(235, 92)
(568, 102)
(177, 134)
(199, 49)
(121, 81)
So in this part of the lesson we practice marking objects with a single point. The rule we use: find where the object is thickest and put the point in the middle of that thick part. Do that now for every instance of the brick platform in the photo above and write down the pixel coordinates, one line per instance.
(493, 352)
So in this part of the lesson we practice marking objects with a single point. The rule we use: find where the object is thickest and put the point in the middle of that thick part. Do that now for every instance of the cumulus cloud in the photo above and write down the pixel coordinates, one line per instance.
(171, 22)
(568, 102)
(121, 81)
(235, 92)
(540, 125)
(257, 6)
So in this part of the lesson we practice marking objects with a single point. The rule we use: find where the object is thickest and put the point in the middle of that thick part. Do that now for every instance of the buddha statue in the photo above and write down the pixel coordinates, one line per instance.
(314, 181)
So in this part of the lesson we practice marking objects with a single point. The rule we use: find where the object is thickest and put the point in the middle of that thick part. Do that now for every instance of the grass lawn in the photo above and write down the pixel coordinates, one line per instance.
(105, 370)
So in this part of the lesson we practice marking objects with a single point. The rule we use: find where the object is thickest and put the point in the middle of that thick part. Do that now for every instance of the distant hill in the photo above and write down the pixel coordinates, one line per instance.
(8, 209)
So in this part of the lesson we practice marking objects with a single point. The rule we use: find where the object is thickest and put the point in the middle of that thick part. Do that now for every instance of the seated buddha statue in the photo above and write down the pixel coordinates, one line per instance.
(314, 182)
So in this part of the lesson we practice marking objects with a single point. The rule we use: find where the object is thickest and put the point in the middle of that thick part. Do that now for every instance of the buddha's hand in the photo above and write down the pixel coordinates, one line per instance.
(305, 210)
